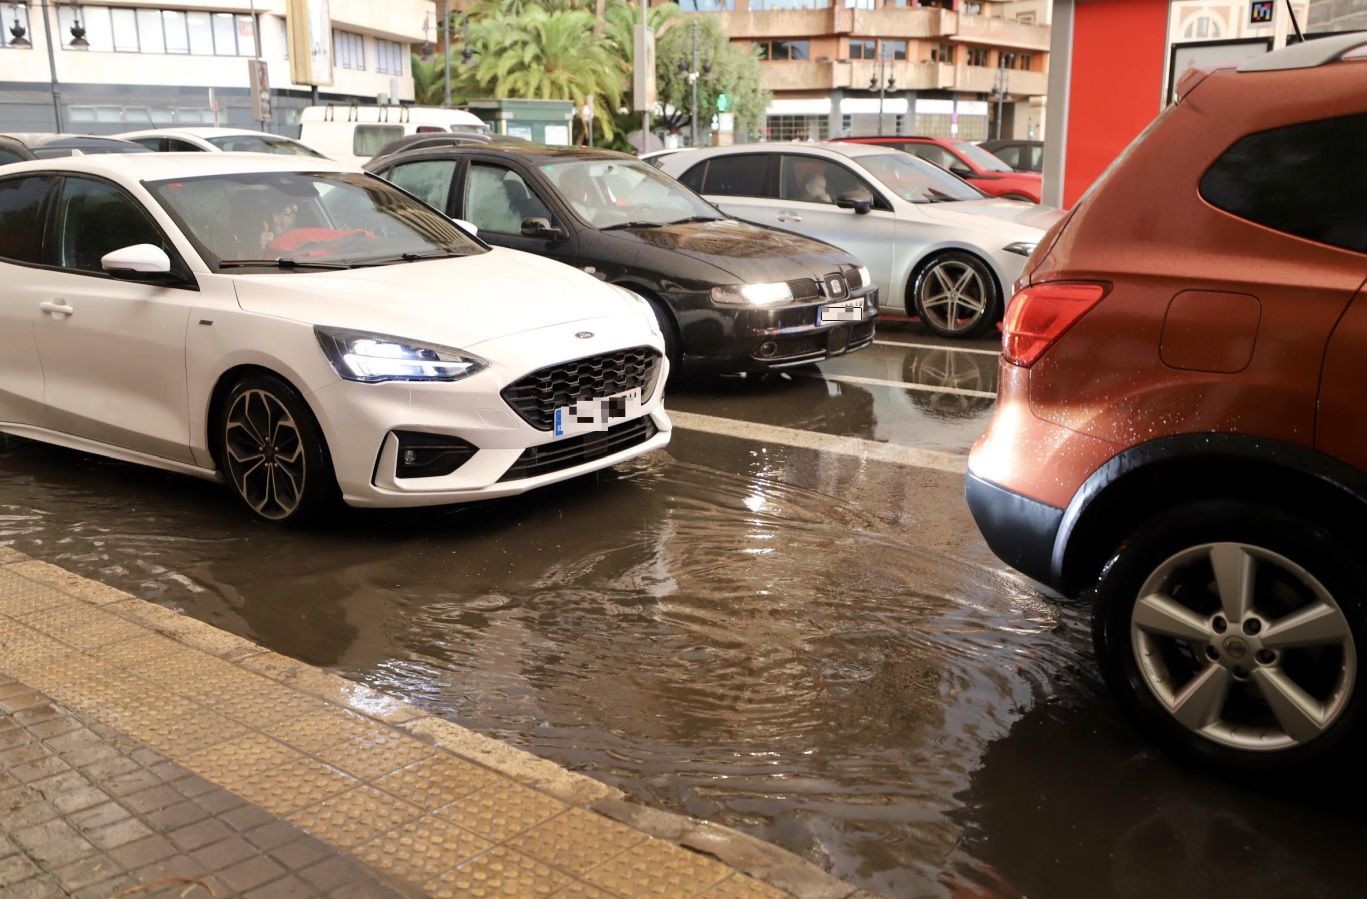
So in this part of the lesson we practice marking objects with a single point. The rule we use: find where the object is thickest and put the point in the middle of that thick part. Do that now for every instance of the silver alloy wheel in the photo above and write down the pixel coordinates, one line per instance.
(953, 296)
(265, 454)
(1243, 646)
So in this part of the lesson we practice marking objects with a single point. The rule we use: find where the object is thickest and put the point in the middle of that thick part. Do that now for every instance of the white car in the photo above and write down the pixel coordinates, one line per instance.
(931, 240)
(220, 140)
(302, 330)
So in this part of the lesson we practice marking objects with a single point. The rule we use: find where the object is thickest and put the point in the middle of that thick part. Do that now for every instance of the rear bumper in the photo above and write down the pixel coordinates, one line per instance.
(1021, 531)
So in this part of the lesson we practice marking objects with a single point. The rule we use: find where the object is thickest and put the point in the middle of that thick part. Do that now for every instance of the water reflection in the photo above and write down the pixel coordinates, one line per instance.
(955, 370)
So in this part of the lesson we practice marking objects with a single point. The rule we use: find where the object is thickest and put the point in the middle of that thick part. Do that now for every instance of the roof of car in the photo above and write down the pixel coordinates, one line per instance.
(202, 131)
(846, 148)
(1307, 54)
(44, 138)
(536, 153)
(158, 166)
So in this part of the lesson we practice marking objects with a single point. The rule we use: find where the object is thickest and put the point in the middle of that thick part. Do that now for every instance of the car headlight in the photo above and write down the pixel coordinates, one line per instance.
(753, 294)
(865, 279)
(1021, 247)
(362, 356)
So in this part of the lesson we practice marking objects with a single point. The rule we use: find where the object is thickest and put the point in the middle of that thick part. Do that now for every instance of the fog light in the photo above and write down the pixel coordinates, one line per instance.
(430, 455)
(766, 349)
(410, 457)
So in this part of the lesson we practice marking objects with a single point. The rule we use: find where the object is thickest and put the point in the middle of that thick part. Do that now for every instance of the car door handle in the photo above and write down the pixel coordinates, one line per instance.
(56, 307)
(790, 216)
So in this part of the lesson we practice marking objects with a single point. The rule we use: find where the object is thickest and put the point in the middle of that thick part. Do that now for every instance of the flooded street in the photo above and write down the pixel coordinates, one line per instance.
(815, 648)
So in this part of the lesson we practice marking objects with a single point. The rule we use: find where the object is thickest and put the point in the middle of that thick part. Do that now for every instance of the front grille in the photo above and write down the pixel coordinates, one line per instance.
(539, 394)
(572, 451)
(854, 279)
(804, 289)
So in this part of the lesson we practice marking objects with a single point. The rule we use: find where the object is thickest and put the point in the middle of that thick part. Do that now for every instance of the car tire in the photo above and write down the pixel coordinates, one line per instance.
(670, 332)
(272, 452)
(949, 282)
(1232, 713)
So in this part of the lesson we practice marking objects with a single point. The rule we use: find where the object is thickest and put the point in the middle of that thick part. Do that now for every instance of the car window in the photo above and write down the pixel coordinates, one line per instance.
(156, 144)
(21, 204)
(95, 218)
(497, 200)
(932, 153)
(8, 156)
(741, 175)
(916, 180)
(429, 181)
(260, 143)
(810, 179)
(980, 157)
(369, 139)
(174, 145)
(1009, 155)
(617, 192)
(1304, 179)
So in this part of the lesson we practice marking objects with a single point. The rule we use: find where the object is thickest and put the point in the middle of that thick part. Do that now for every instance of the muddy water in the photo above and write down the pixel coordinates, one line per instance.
(709, 640)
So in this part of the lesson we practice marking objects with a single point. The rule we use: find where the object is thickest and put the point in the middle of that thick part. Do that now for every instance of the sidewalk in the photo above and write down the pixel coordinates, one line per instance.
(143, 753)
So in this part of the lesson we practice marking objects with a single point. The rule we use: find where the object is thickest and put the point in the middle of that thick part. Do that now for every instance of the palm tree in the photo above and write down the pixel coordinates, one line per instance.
(429, 85)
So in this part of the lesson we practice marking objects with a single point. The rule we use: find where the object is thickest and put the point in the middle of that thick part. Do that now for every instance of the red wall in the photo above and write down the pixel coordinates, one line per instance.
(1116, 83)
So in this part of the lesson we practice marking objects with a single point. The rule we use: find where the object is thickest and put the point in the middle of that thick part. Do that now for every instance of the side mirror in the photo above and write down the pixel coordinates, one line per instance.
(962, 171)
(140, 262)
(541, 228)
(858, 200)
(468, 227)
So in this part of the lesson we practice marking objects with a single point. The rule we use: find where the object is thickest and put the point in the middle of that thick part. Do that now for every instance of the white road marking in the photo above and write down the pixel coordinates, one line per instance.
(936, 346)
(871, 450)
(904, 385)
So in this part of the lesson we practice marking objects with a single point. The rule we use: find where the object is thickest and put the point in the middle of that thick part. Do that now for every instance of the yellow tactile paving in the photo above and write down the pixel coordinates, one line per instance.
(423, 849)
(20, 596)
(738, 886)
(577, 840)
(436, 782)
(142, 648)
(358, 816)
(241, 758)
(656, 868)
(292, 786)
(577, 889)
(499, 872)
(502, 810)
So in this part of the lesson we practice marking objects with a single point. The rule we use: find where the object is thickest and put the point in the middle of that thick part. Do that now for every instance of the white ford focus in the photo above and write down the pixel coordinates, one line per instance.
(301, 330)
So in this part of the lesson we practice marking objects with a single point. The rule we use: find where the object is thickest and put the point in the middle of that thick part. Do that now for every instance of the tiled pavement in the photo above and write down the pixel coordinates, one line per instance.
(145, 753)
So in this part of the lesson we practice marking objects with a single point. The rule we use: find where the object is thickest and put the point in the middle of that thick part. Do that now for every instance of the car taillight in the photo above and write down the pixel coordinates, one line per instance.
(1042, 313)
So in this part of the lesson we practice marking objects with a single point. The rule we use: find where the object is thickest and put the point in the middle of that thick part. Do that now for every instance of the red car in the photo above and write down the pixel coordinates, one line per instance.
(972, 163)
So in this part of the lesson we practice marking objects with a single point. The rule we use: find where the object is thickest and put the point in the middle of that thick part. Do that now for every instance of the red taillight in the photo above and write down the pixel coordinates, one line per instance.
(1042, 313)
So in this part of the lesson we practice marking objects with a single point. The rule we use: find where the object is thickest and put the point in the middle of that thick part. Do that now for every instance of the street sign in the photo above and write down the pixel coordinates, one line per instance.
(586, 111)
(643, 78)
(723, 102)
(258, 79)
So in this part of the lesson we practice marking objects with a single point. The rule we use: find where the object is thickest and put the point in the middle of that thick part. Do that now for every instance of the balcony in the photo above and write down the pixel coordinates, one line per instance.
(745, 25)
(999, 32)
(825, 76)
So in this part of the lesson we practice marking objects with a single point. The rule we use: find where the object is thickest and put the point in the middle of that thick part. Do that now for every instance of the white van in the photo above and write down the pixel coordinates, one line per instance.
(353, 134)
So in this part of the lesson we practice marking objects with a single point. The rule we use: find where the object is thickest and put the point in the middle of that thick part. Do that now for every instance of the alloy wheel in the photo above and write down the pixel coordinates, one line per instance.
(1243, 646)
(265, 454)
(953, 296)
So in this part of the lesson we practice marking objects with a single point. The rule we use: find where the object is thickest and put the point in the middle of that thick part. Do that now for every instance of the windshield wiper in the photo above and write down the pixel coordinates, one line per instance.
(620, 225)
(697, 218)
(282, 262)
(405, 257)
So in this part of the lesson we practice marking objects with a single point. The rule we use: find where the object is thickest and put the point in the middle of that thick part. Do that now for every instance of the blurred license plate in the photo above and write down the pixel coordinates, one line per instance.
(597, 414)
(848, 311)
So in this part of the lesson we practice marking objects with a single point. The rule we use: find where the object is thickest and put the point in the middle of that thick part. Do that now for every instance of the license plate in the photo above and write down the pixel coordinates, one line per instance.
(848, 311)
(597, 414)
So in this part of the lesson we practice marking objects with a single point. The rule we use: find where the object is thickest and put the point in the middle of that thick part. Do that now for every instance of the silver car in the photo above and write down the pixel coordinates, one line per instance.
(931, 240)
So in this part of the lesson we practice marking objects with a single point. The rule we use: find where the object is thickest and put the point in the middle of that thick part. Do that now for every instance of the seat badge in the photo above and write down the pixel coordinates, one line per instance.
(836, 287)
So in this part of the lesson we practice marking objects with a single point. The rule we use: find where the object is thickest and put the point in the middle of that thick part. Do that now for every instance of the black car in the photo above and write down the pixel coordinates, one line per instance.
(18, 147)
(730, 296)
(1021, 155)
(424, 140)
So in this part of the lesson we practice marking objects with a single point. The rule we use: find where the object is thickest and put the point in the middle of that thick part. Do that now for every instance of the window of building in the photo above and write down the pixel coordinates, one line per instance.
(789, 4)
(348, 50)
(784, 50)
(177, 38)
(9, 14)
(861, 4)
(862, 49)
(388, 57)
(942, 53)
(894, 50)
(796, 127)
(201, 28)
(225, 34)
(1025, 18)
(973, 8)
(1203, 28)
(1027, 61)
(125, 23)
(1006, 60)
(977, 56)
(707, 5)
(1304, 193)
(127, 30)
(284, 35)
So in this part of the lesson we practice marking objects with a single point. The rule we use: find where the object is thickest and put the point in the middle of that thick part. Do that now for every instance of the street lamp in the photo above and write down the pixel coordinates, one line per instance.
(881, 84)
(999, 93)
(693, 74)
(16, 30)
(426, 41)
(78, 41)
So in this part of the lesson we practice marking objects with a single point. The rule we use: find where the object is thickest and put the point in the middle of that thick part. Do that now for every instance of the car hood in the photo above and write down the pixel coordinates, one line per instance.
(749, 253)
(972, 212)
(455, 302)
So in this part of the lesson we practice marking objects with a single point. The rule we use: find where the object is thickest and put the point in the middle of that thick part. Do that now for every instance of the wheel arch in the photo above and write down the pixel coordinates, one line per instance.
(930, 254)
(218, 395)
(1148, 478)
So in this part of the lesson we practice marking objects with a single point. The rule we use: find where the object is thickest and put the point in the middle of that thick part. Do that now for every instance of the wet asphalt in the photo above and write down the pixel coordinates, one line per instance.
(811, 647)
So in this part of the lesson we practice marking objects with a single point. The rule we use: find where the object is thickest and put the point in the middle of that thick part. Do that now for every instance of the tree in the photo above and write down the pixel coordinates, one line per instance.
(545, 54)
(429, 85)
(735, 72)
(620, 19)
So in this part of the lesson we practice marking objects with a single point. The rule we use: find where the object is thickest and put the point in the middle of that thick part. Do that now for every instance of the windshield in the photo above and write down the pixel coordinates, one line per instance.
(260, 143)
(981, 158)
(621, 192)
(917, 181)
(307, 219)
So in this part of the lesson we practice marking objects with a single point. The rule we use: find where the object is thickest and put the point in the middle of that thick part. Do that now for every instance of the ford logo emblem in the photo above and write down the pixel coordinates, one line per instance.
(584, 335)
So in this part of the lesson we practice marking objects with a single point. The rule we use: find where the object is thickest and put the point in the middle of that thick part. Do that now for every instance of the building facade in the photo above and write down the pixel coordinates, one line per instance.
(185, 62)
(863, 67)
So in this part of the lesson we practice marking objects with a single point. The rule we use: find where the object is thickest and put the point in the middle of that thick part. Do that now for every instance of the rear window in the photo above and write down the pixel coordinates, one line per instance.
(370, 139)
(21, 202)
(1305, 179)
(735, 176)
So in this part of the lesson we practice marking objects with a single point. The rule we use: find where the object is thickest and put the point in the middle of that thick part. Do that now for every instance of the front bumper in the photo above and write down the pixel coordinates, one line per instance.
(1019, 530)
(722, 339)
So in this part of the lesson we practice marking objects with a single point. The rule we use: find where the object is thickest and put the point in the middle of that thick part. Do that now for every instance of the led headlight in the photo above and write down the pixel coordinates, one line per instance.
(753, 294)
(1021, 247)
(865, 279)
(362, 356)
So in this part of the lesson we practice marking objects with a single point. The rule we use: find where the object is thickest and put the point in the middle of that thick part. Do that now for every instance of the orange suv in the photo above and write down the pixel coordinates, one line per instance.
(1182, 413)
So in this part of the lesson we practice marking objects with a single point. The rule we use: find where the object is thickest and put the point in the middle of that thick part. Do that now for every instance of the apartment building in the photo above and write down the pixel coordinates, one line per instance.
(858, 67)
(142, 63)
